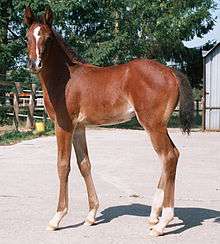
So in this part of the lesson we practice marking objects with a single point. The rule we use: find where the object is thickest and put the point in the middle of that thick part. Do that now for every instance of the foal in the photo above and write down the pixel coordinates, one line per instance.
(77, 94)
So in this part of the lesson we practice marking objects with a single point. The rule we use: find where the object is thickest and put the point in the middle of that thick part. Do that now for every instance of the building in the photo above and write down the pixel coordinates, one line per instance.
(211, 105)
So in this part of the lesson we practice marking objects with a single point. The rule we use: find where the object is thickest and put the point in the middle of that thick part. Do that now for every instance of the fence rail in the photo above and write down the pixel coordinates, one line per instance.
(23, 103)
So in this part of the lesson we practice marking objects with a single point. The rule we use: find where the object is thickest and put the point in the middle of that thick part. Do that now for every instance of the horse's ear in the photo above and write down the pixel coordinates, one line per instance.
(28, 16)
(47, 18)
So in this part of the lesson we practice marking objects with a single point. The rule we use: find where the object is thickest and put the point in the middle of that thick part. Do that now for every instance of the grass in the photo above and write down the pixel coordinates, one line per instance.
(13, 137)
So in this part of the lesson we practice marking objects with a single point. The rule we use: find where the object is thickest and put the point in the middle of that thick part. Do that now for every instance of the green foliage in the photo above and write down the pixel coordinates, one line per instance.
(13, 137)
(197, 94)
(49, 127)
(4, 118)
(108, 32)
(21, 74)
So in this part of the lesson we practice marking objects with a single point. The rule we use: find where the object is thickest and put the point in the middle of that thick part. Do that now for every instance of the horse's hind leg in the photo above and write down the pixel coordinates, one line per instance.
(79, 143)
(159, 195)
(164, 196)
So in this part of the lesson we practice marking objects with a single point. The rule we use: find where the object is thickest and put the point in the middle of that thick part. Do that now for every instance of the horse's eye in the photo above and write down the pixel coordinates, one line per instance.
(49, 39)
(28, 41)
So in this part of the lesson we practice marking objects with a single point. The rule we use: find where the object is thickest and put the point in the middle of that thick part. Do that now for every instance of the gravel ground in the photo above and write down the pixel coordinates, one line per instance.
(125, 170)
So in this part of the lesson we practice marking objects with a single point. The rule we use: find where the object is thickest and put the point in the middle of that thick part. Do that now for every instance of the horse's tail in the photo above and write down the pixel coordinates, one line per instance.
(186, 102)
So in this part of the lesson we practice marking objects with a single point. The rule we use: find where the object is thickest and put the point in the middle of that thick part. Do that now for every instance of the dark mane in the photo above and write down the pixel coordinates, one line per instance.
(70, 52)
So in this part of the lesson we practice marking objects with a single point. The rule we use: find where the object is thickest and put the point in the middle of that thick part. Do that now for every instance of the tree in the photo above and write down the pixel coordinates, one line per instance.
(12, 41)
(153, 29)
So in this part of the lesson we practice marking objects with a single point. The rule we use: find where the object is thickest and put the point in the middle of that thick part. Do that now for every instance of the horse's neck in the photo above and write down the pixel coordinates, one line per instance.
(70, 53)
(53, 78)
(55, 72)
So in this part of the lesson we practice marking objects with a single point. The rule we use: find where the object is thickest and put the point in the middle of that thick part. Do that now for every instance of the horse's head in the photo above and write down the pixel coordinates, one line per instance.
(39, 38)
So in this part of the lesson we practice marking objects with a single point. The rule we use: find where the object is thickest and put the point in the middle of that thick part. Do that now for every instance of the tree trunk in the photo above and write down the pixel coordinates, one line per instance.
(5, 12)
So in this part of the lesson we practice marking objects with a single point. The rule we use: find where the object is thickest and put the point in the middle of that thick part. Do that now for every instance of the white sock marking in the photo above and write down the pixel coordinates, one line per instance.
(57, 218)
(167, 216)
(91, 215)
(158, 198)
(157, 203)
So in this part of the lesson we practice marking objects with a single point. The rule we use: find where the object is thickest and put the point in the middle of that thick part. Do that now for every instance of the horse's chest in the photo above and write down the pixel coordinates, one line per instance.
(48, 106)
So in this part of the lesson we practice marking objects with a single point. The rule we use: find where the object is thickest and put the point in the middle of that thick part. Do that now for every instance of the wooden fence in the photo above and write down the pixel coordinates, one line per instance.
(24, 104)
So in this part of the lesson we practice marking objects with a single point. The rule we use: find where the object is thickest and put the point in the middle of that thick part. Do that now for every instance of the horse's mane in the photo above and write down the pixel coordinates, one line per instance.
(72, 55)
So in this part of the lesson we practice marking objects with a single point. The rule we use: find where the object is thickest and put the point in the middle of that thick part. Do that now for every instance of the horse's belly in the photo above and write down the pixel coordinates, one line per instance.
(122, 117)
(110, 117)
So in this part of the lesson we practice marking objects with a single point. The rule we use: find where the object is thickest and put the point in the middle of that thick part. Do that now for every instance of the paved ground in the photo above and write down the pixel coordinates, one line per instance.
(126, 170)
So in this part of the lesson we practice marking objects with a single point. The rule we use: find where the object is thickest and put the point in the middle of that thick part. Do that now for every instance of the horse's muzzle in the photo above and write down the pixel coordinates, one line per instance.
(35, 65)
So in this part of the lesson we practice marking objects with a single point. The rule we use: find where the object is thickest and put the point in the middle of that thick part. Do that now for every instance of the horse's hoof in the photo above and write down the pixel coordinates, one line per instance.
(51, 227)
(152, 223)
(150, 226)
(155, 233)
(89, 222)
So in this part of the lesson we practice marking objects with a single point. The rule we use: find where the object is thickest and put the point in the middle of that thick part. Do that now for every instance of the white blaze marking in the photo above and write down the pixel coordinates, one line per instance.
(36, 34)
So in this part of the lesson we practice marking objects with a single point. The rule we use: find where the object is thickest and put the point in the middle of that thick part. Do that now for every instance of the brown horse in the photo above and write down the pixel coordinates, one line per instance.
(77, 94)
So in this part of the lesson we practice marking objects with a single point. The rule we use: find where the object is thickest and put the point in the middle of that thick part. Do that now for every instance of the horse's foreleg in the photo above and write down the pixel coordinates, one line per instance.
(80, 146)
(64, 141)
(164, 196)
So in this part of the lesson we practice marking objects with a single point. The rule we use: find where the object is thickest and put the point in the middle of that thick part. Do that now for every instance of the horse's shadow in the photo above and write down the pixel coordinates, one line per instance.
(191, 217)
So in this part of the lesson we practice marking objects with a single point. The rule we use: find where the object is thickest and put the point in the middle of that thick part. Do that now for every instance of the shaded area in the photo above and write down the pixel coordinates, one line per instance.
(191, 217)
(71, 226)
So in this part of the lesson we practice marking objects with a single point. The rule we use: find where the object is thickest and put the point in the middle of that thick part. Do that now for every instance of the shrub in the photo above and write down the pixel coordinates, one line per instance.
(4, 118)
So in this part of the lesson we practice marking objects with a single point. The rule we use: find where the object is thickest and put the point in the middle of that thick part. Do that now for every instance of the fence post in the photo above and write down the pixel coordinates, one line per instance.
(45, 117)
(197, 108)
(31, 107)
(16, 104)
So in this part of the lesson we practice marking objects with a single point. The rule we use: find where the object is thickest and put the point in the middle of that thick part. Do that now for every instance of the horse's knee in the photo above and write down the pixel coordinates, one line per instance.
(172, 157)
(63, 169)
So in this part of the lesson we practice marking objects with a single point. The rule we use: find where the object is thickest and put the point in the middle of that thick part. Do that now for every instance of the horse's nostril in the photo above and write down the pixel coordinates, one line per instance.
(35, 65)
(38, 63)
